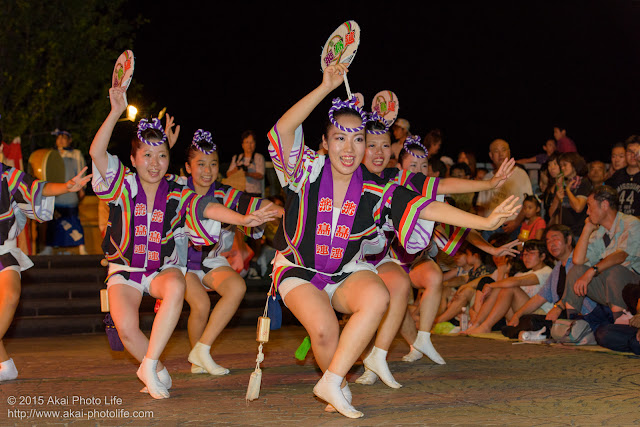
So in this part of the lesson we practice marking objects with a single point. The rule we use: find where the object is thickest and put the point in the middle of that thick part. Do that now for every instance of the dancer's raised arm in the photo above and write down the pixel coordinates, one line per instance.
(98, 149)
(332, 78)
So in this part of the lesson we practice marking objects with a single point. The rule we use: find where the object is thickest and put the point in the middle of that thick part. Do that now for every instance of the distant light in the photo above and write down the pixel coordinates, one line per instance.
(132, 112)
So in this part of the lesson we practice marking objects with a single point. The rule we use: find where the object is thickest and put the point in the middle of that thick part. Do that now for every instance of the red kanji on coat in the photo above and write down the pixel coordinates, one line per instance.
(325, 205)
(141, 209)
(337, 253)
(349, 208)
(141, 230)
(343, 232)
(323, 229)
(322, 249)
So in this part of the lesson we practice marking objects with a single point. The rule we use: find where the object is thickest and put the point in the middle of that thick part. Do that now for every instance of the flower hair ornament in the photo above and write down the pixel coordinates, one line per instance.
(338, 104)
(375, 117)
(415, 141)
(203, 135)
(144, 124)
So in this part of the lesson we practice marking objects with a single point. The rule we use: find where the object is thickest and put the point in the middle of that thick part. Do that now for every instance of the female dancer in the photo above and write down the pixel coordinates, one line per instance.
(207, 268)
(320, 265)
(23, 197)
(395, 265)
(151, 217)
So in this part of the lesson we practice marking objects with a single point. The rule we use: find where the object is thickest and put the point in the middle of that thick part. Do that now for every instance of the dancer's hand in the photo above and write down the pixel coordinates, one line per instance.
(504, 210)
(78, 182)
(118, 100)
(334, 76)
(508, 249)
(172, 136)
(504, 173)
(262, 215)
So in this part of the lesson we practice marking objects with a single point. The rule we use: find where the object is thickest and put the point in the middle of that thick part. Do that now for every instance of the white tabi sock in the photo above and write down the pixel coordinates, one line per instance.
(328, 389)
(368, 377)
(8, 370)
(346, 392)
(413, 356)
(423, 344)
(148, 375)
(201, 356)
(376, 361)
(164, 378)
(195, 369)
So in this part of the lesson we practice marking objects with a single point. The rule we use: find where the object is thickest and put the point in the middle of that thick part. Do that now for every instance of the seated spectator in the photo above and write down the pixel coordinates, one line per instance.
(606, 257)
(469, 158)
(626, 181)
(480, 269)
(564, 143)
(518, 184)
(618, 159)
(596, 172)
(533, 225)
(548, 147)
(538, 309)
(505, 297)
(481, 173)
(401, 130)
(437, 168)
(621, 337)
(555, 179)
(462, 201)
(571, 196)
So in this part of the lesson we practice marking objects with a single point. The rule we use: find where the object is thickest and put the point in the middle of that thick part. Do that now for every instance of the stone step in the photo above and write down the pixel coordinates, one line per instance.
(64, 275)
(45, 325)
(65, 261)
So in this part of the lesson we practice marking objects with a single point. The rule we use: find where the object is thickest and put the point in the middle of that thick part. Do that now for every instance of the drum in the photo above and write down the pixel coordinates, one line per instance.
(46, 164)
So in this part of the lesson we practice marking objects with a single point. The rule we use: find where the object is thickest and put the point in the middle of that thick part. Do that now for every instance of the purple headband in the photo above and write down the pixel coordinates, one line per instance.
(375, 117)
(338, 104)
(201, 135)
(144, 124)
(415, 140)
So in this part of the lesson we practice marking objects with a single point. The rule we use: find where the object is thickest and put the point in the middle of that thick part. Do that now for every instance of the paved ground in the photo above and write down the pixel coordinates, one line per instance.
(485, 382)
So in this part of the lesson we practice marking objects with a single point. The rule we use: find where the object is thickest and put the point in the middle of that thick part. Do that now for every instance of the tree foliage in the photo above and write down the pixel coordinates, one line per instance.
(57, 58)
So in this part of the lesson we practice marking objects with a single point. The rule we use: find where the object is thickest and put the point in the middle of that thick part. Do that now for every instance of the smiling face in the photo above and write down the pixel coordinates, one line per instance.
(151, 162)
(554, 169)
(414, 164)
(377, 153)
(345, 149)
(203, 168)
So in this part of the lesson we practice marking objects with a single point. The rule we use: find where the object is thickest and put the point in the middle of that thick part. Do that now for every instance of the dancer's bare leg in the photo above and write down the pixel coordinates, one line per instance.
(313, 310)
(169, 286)
(398, 284)
(231, 288)
(364, 296)
(199, 306)
(9, 298)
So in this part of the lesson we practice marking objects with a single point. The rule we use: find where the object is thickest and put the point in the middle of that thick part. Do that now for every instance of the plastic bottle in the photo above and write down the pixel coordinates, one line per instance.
(464, 319)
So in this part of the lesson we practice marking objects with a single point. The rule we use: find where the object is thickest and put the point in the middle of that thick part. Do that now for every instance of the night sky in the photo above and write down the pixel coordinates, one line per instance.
(475, 70)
